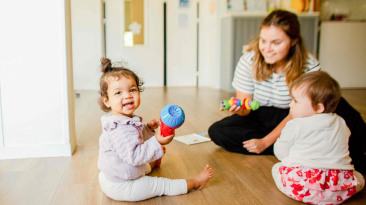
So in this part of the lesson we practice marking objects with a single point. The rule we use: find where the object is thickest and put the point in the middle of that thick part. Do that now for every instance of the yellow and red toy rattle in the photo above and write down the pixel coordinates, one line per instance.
(246, 103)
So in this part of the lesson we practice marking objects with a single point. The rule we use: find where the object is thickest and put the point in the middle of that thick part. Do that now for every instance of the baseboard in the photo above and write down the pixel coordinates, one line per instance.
(37, 151)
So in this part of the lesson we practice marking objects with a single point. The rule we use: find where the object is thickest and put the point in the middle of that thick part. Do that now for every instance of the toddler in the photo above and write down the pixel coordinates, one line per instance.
(313, 147)
(128, 148)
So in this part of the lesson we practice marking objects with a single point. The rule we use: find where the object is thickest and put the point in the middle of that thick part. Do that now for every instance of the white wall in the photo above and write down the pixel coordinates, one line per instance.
(213, 46)
(87, 43)
(147, 60)
(208, 35)
(342, 52)
(181, 44)
(36, 97)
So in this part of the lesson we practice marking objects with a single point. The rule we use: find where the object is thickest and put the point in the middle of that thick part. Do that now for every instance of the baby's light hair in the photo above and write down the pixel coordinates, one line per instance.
(116, 71)
(320, 87)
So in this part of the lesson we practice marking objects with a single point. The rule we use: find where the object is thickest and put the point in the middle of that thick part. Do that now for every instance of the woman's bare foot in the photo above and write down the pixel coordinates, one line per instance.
(202, 178)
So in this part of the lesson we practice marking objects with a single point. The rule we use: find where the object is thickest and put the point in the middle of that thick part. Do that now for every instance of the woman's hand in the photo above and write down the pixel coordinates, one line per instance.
(164, 140)
(259, 145)
(255, 145)
(153, 124)
(234, 108)
(237, 109)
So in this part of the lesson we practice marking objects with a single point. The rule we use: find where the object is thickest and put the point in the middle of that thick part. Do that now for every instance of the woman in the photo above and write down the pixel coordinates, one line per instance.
(272, 62)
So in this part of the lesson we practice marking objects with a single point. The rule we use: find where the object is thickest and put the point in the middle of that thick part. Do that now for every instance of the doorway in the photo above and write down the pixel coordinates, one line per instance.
(169, 54)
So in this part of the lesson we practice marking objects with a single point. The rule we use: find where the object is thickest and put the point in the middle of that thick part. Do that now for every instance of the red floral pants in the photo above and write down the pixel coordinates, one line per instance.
(316, 186)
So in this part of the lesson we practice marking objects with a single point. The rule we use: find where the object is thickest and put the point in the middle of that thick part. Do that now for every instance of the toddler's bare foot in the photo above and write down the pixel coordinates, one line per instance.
(202, 178)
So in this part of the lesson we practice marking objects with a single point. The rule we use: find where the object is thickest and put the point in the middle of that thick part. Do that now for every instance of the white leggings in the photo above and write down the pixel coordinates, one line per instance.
(142, 188)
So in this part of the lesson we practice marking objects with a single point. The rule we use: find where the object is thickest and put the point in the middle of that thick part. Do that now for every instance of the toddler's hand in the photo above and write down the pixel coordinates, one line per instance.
(164, 140)
(153, 124)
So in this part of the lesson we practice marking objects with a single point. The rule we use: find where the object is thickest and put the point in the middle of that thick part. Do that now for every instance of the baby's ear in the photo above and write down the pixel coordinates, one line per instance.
(320, 108)
(106, 101)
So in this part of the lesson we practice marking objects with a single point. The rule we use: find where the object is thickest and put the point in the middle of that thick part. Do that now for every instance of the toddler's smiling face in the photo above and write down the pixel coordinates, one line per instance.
(123, 96)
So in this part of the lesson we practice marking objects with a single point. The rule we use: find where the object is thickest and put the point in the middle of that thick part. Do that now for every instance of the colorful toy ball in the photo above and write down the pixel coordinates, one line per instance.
(246, 103)
(171, 117)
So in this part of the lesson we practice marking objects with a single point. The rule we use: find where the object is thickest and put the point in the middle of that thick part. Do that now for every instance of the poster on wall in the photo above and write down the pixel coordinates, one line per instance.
(183, 20)
(183, 4)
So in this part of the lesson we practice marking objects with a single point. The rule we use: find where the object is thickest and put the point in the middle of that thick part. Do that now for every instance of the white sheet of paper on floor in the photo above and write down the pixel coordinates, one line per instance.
(192, 139)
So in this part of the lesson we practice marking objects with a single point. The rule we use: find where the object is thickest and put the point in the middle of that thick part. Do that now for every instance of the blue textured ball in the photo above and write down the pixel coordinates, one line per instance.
(172, 115)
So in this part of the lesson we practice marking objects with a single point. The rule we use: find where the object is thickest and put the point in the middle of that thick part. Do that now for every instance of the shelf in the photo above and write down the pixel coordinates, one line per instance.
(263, 14)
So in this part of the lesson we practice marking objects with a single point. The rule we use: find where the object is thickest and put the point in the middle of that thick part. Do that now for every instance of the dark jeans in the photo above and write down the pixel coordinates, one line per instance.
(231, 131)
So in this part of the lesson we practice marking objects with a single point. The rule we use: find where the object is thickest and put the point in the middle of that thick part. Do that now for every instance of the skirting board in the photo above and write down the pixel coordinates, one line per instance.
(37, 151)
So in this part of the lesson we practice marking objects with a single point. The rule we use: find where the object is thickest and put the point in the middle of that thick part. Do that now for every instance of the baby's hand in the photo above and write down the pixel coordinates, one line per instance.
(164, 140)
(153, 124)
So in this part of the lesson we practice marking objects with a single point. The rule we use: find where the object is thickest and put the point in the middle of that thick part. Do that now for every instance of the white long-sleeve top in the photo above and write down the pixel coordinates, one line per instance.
(319, 141)
(125, 147)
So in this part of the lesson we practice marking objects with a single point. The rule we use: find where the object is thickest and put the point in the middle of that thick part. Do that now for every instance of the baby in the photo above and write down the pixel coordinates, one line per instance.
(315, 164)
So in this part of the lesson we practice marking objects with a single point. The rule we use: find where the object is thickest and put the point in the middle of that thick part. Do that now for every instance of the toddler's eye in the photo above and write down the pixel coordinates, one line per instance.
(117, 93)
(133, 90)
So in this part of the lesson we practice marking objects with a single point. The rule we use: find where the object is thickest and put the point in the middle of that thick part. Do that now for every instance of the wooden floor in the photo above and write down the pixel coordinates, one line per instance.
(239, 179)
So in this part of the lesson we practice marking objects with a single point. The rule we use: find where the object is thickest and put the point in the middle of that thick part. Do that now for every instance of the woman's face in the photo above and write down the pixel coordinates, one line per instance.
(274, 44)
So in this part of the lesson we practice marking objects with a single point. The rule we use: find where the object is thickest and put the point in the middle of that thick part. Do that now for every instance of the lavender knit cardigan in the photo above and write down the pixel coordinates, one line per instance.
(125, 147)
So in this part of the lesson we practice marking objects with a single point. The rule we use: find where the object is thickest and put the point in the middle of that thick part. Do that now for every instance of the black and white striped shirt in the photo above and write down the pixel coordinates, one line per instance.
(271, 92)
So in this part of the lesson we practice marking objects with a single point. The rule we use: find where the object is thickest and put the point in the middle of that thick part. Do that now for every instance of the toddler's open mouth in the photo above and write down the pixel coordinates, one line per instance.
(128, 105)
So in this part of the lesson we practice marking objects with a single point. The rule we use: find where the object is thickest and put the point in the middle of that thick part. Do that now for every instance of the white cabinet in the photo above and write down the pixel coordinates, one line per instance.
(342, 52)
(238, 29)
